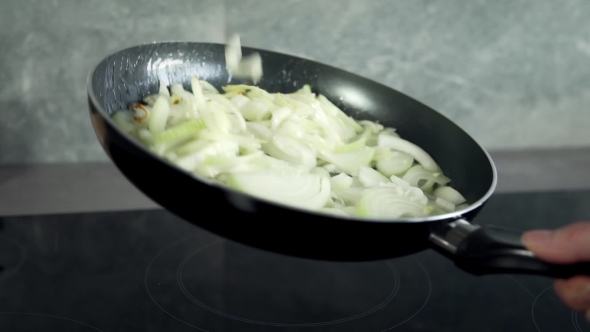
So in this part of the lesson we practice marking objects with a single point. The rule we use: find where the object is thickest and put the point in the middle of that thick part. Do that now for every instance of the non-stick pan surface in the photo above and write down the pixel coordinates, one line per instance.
(131, 74)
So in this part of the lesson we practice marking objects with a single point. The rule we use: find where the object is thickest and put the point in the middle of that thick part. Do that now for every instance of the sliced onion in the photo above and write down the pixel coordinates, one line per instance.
(124, 119)
(190, 147)
(217, 164)
(384, 202)
(250, 67)
(350, 195)
(356, 182)
(330, 167)
(260, 131)
(145, 135)
(390, 132)
(421, 156)
(335, 111)
(307, 191)
(372, 140)
(163, 89)
(434, 208)
(198, 92)
(239, 101)
(285, 146)
(179, 90)
(208, 87)
(253, 92)
(232, 110)
(349, 162)
(216, 120)
(374, 127)
(179, 133)
(399, 181)
(445, 205)
(221, 148)
(417, 176)
(233, 54)
(416, 195)
(393, 162)
(280, 165)
(278, 116)
(370, 177)
(461, 207)
(159, 115)
(321, 172)
(449, 194)
(340, 182)
(244, 142)
(399, 190)
(255, 110)
(356, 145)
(306, 89)
(291, 150)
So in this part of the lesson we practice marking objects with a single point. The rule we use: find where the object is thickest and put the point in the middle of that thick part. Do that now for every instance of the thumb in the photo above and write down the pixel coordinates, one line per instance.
(565, 245)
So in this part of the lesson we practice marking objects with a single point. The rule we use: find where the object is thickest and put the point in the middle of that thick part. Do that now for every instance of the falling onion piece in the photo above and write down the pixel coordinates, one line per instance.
(249, 67)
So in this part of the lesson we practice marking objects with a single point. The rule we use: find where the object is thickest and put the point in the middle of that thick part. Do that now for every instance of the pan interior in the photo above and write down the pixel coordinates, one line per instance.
(131, 74)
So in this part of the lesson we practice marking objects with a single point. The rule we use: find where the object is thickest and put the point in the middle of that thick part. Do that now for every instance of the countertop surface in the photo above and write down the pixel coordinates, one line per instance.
(150, 271)
(92, 187)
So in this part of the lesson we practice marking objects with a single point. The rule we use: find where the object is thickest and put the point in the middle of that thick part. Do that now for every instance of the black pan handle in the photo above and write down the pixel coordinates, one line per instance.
(494, 250)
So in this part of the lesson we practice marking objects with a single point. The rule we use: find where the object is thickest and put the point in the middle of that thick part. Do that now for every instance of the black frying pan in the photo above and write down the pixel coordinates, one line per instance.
(131, 74)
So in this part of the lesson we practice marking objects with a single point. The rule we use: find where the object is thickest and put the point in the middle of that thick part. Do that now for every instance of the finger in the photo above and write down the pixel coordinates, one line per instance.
(565, 245)
(574, 292)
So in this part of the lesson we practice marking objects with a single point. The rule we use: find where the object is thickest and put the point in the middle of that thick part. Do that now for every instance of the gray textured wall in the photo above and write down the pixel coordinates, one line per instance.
(514, 73)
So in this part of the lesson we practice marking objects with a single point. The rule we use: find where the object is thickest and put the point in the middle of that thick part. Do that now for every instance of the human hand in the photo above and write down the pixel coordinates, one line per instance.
(566, 245)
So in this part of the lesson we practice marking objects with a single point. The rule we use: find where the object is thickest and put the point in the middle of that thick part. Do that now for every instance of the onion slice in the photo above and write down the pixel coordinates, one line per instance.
(159, 115)
(303, 190)
(385, 202)
(392, 163)
(291, 150)
(396, 143)
(370, 177)
(449, 194)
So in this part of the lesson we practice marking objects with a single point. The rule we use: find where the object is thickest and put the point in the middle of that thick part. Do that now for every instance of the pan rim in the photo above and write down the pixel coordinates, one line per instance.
(447, 216)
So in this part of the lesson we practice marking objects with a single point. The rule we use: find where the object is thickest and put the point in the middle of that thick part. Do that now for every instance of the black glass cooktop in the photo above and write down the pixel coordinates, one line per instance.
(150, 271)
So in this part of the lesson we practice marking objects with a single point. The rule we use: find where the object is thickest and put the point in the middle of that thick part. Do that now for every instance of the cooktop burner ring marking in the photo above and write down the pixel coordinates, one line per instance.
(574, 315)
(51, 316)
(145, 280)
(184, 290)
(158, 255)
(533, 306)
(423, 304)
(576, 320)
(8, 272)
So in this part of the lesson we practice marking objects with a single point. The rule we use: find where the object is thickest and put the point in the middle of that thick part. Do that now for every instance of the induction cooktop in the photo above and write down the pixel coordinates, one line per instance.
(152, 271)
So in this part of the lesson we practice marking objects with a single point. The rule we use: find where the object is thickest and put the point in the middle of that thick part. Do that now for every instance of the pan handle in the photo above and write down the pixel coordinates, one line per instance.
(494, 250)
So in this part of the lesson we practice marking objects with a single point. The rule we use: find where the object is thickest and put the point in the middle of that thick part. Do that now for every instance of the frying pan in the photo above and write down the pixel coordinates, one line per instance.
(131, 74)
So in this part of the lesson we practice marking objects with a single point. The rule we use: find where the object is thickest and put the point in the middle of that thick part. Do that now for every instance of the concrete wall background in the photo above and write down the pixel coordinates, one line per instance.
(513, 73)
